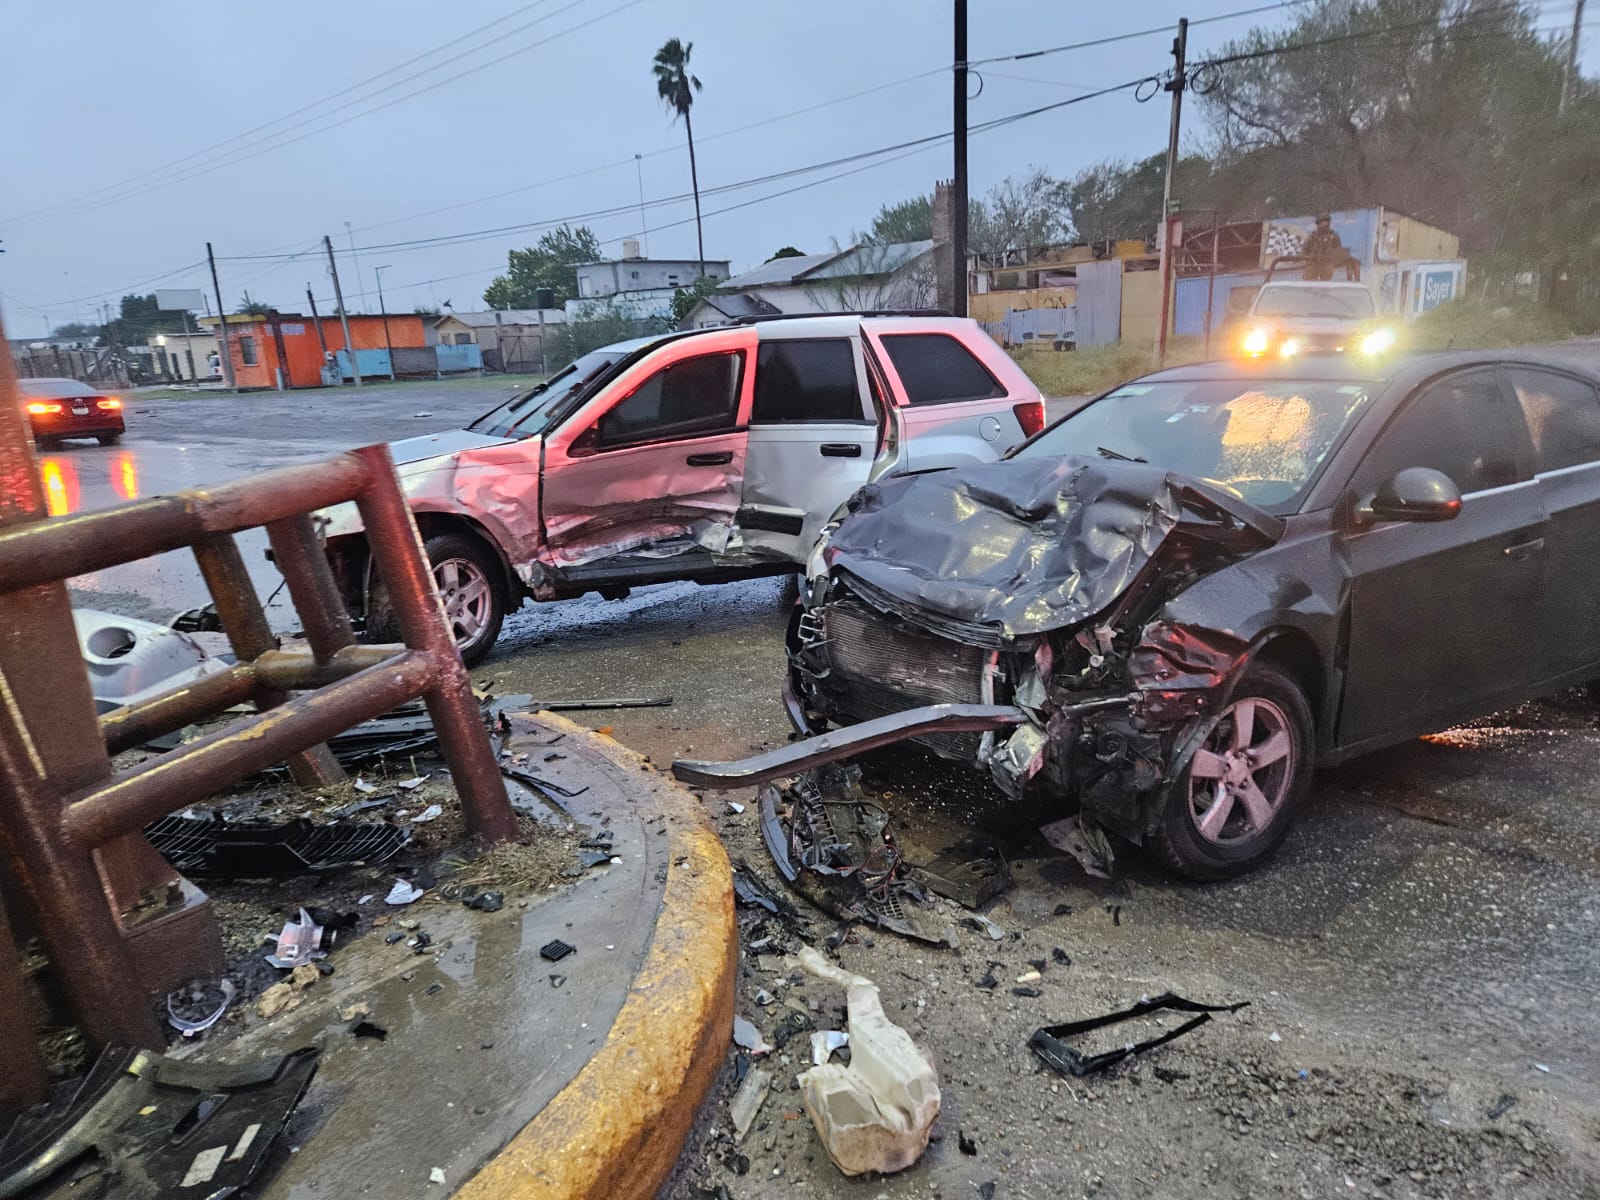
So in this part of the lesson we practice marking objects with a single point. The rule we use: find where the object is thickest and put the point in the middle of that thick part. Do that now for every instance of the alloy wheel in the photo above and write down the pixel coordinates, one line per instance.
(1243, 773)
(467, 596)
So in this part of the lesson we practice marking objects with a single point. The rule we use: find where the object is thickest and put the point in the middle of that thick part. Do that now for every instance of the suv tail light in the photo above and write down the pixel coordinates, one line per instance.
(1030, 415)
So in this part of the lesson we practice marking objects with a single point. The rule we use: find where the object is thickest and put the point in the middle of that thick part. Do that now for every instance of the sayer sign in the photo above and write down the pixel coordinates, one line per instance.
(1438, 287)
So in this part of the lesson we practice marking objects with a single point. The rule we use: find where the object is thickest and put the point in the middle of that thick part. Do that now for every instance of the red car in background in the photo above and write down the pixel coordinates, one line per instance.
(65, 408)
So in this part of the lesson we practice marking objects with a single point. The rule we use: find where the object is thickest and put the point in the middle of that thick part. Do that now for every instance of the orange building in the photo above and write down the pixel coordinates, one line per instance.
(261, 346)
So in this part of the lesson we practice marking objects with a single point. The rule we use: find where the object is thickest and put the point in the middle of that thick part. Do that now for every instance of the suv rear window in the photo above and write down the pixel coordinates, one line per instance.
(812, 380)
(937, 369)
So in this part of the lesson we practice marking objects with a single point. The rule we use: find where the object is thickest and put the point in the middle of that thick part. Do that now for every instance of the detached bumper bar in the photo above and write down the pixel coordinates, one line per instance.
(843, 743)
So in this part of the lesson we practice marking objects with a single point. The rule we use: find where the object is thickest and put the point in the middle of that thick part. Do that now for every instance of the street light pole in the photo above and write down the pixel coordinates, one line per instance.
(377, 273)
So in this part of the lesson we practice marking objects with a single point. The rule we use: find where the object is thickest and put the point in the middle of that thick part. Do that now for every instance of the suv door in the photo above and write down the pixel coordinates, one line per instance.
(813, 436)
(656, 460)
(955, 410)
(1439, 612)
(1562, 413)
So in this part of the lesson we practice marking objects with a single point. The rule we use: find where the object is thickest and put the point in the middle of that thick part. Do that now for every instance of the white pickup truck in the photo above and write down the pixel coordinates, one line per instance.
(1291, 317)
(712, 455)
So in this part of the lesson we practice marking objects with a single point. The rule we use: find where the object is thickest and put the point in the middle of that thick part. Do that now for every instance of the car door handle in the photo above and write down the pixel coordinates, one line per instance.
(840, 450)
(1524, 550)
(721, 459)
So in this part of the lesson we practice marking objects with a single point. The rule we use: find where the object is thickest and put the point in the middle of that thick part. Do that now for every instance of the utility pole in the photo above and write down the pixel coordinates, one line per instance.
(1571, 72)
(344, 321)
(224, 352)
(317, 321)
(958, 190)
(1180, 46)
(383, 308)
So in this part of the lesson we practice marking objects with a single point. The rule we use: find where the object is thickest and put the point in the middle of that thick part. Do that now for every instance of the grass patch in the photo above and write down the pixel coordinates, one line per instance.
(1095, 369)
(1474, 325)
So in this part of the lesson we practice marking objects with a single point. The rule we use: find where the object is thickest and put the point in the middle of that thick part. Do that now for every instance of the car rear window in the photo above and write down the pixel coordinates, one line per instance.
(55, 388)
(809, 380)
(937, 369)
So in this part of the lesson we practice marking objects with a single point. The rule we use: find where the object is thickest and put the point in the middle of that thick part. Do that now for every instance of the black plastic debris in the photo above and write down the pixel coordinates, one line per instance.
(837, 850)
(987, 980)
(1049, 1043)
(1061, 957)
(1027, 993)
(557, 980)
(143, 1127)
(792, 1025)
(555, 951)
(748, 891)
(1063, 910)
(966, 1144)
(487, 902)
(1501, 1106)
(212, 846)
(366, 1029)
(971, 874)
(346, 811)
(986, 1190)
(392, 938)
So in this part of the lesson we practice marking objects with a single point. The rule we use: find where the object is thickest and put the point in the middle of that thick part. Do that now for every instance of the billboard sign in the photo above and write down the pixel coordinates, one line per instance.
(1435, 288)
(180, 299)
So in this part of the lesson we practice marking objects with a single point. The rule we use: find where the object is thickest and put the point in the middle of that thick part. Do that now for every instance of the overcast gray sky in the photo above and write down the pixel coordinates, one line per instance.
(112, 110)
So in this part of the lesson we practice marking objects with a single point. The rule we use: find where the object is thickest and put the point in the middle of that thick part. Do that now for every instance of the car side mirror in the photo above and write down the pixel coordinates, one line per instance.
(1414, 494)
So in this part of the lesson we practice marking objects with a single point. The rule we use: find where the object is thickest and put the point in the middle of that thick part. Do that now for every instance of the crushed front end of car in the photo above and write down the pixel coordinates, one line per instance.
(1029, 596)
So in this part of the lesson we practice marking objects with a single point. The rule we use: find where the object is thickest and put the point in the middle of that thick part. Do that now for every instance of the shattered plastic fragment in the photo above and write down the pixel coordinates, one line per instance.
(402, 893)
(300, 941)
(361, 785)
(1049, 1045)
(1084, 840)
(410, 784)
(824, 1042)
(747, 1035)
(194, 1028)
(436, 1175)
(875, 1114)
(747, 1101)
(431, 813)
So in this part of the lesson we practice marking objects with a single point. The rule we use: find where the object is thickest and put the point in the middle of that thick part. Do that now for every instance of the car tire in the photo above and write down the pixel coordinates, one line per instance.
(460, 563)
(1245, 783)
(108, 439)
(47, 444)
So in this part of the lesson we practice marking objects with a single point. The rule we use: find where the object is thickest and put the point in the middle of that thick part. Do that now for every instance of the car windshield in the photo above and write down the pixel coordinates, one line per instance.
(54, 388)
(1351, 303)
(529, 412)
(1264, 439)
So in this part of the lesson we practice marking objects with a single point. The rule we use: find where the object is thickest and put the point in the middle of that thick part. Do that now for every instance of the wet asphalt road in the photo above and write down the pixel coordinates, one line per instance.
(1430, 932)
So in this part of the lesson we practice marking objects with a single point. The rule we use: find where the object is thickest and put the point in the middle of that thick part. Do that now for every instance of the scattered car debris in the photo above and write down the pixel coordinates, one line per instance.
(747, 1101)
(195, 1026)
(1027, 993)
(557, 980)
(1085, 841)
(555, 951)
(362, 786)
(735, 807)
(403, 893)
(987, 980)
(432, 813)
(359, 806)
(144, 1127)
(965, 1144)
(213, 846)
(986, 1190)
(436, 1175)
(876, 1113)
(413, 783)
(825, 1042)
(366, 1029)
(836, 848)
(979, 923)
(971, 874)
(1049, 1044)
(487, 902)
(300, 941)
(1501, 1106)
(748, 890)
(747, 1035)
(130, 661)
(354, 1012)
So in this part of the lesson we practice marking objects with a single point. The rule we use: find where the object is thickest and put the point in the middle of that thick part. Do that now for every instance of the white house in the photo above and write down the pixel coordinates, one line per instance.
(637, 287)
(895, 275)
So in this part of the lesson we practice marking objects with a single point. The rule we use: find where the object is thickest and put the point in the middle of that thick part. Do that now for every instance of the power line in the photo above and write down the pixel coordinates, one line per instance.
(1130, 36)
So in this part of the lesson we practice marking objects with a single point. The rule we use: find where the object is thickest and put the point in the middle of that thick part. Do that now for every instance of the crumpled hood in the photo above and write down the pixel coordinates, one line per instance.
(1021, 547)
(431, 445)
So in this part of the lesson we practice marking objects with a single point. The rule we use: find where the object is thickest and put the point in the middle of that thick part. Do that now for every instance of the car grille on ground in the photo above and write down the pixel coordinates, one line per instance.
(880, 666)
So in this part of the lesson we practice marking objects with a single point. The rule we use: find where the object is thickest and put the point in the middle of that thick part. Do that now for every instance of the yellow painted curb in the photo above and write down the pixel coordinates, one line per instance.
(616, 1130)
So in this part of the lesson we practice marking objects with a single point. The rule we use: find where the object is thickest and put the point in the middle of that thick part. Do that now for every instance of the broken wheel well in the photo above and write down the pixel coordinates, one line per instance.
(352, 560)
(1294, 652)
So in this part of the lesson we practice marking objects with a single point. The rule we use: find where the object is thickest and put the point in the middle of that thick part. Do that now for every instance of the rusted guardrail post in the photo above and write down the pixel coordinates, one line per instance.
(420, 615)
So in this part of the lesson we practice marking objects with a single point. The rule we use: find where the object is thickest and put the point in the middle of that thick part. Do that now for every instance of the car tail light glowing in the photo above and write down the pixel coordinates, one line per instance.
(1030, 415)
(110, 402)
(38, 408)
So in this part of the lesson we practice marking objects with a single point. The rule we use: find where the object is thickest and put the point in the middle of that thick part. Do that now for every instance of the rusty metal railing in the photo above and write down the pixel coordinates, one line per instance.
(51, 822)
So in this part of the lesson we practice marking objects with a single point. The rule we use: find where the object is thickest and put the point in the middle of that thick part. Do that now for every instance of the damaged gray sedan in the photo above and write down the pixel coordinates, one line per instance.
(1164, 611)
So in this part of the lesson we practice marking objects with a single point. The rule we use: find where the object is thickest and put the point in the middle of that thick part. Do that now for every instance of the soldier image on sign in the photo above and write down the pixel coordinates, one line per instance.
(1323, 250)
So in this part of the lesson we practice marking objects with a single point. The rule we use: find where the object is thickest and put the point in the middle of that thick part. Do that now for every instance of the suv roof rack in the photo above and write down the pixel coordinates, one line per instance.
(762, 318)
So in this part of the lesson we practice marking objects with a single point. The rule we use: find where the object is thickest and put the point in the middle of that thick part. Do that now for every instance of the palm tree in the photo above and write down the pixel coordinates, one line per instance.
(677, 87)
